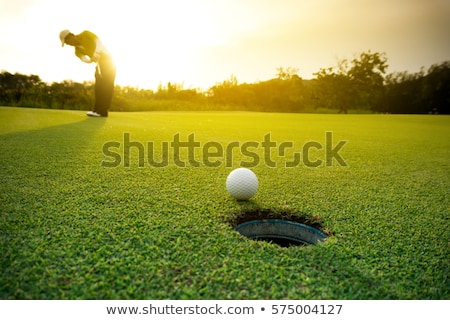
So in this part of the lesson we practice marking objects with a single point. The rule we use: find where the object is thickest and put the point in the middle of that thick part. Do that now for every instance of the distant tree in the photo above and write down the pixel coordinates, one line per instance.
(333, 89)
(436, 88)
(403, 93)
(420, 92)
(286, 74)
(226, 92)
(71, 95)
(170, 91)
(13, 87)
(357, 83)
(353, 84)
(367, 75)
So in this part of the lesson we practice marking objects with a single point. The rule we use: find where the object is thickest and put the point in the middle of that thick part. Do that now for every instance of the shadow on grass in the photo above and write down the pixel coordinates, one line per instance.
(51, 142)
(43, 171)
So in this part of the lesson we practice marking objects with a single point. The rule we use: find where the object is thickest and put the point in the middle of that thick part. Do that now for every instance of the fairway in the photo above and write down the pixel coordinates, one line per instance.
(93, 208)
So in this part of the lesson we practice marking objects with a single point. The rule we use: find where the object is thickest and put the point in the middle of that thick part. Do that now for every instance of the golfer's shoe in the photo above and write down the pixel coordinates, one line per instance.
(93, 114)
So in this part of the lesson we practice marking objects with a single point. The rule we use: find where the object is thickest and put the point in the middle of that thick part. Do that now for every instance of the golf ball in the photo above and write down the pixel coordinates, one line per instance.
(242, 184)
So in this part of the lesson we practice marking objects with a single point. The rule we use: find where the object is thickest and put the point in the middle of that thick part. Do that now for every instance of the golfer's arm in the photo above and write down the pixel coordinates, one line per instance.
(99, 49)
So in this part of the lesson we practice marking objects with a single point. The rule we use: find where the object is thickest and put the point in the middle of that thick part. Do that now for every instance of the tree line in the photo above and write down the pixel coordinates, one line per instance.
(353, 85)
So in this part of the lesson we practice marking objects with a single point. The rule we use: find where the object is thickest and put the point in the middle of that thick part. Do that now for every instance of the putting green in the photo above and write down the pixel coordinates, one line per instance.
(86, 211)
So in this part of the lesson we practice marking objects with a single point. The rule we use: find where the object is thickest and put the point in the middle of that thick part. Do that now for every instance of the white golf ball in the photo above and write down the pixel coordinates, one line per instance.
(242, 184)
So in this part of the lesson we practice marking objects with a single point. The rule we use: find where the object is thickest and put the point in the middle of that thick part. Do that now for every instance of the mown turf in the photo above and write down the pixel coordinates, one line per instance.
(71, 228)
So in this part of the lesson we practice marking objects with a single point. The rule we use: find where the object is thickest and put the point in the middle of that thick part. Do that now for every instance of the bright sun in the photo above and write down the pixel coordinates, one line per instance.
(153, 43)
(158, 42)
(192, 43)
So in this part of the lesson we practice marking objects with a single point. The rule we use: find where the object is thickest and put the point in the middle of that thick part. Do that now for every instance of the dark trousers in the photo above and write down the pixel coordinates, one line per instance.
(105, 75)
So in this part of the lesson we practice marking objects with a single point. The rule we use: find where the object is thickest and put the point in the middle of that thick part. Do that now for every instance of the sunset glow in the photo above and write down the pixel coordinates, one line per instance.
(200, 42)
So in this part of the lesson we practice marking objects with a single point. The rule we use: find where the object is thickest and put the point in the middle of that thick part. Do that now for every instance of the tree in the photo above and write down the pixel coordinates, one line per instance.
(13, 87)
(226, 92)
(403, 93)
(353, 84)
(286, 74)
(333, 89)
(436, 88)
(367, 77)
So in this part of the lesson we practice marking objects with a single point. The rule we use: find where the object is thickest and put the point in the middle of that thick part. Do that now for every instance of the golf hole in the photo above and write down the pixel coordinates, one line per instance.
(282, 228)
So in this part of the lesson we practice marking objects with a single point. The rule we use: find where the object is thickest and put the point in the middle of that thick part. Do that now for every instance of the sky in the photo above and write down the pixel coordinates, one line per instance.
(199, 43)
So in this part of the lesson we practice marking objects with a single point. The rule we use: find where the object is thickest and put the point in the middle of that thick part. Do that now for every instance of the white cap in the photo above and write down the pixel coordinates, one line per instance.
(62, 36)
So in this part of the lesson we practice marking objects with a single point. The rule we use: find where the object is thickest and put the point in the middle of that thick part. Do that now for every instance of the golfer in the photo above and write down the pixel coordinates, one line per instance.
(89, 48)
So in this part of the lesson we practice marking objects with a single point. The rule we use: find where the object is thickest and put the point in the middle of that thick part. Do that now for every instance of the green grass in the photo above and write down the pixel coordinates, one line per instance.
(72, 229)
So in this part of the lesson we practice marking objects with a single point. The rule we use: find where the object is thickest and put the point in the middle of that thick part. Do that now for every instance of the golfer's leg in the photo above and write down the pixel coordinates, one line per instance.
(98, 93)
(107, 93)
(106, 88)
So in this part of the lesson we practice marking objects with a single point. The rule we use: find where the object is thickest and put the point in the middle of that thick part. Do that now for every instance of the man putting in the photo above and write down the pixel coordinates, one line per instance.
(89, 48)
